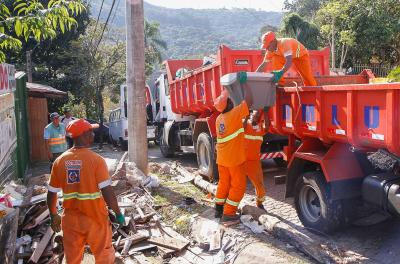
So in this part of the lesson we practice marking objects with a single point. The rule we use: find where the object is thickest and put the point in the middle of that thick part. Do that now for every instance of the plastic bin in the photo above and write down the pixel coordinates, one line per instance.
(261, 85)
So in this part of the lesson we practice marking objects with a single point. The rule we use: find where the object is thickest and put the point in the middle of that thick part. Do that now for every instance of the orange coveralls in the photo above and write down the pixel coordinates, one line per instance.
(301, 59)
(254, 138)
(81, 174)
(231, 158)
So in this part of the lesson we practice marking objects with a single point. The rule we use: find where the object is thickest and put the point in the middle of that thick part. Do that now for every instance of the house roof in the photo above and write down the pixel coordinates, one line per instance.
(41, 90)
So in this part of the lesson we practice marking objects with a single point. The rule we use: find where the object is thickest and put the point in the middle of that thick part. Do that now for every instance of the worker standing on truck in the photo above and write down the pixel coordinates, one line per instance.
(255, 128)
(284, 52)
(231, 156)
(54, 136)
(82, 176)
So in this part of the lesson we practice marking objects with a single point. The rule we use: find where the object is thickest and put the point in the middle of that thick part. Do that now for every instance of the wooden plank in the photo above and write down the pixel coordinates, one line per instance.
(142, 246)
(141, 259)
(168, 242)
(38, 220)
(215, 240)
(8, 236)
(42, 246)
(136, 238)
(165, 252)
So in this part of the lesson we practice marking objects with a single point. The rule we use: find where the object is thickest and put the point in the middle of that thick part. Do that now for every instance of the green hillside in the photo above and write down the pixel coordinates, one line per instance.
(191, 32)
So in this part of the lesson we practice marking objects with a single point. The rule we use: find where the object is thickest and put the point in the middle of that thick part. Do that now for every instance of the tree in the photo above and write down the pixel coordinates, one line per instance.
(154, 45)
(361, 30)
(295, 26)
(32, 19)
(305, 8)
(334, 21)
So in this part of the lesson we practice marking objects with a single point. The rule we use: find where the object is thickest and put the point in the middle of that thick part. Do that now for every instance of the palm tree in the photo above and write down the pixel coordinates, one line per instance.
(154, 45)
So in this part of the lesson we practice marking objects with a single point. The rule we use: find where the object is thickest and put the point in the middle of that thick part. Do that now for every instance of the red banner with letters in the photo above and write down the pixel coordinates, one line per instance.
(7, 78)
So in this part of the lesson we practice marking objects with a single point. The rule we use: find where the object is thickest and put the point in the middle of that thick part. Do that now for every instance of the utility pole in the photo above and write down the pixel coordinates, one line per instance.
(135, 81)
(29, 64)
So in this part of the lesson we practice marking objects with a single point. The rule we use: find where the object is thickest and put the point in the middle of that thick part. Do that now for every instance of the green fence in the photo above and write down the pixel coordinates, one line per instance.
(21, 120)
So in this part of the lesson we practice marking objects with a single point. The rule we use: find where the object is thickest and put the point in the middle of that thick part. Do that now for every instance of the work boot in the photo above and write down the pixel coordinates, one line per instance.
(219, 209)
(229, 220)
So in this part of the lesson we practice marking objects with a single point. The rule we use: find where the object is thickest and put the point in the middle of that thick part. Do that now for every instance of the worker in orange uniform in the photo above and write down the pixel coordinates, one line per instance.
(231, 156)
(255, 128)
(284, 52)
(82, 176)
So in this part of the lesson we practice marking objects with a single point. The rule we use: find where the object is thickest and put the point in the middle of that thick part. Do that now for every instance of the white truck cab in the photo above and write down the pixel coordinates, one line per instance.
(118, 119)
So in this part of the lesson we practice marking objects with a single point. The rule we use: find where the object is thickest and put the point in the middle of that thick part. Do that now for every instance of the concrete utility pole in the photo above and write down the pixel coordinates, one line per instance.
(135, 81)
(29, 64)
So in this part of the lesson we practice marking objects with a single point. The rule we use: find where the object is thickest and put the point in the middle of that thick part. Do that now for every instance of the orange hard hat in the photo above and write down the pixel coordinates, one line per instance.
(221, 101)
(267, 38)
(77, 127)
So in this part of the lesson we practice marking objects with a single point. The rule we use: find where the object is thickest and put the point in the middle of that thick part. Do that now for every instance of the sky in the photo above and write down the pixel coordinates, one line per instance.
(267, 5)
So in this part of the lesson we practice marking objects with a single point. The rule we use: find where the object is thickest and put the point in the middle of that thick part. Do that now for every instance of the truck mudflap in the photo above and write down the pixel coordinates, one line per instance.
(383, 190)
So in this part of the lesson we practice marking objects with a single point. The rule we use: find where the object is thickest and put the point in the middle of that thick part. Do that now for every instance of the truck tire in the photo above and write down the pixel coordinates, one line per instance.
(205, 157)
(313, 205)
(166, 150)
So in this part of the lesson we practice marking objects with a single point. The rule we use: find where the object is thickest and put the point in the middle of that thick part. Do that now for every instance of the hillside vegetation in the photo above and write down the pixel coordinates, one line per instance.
(193, 32)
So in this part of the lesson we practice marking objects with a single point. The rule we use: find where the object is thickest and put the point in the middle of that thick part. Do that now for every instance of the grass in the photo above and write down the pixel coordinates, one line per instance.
(170, 201)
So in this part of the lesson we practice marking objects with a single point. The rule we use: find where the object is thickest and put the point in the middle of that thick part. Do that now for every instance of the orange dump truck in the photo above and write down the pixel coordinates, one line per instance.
(333, 131)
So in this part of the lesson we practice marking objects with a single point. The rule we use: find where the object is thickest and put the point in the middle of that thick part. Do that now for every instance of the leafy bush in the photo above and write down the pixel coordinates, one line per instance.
(394, 75)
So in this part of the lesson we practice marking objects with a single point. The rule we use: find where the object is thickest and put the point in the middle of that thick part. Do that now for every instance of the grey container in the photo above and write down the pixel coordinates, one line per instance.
(261, 85)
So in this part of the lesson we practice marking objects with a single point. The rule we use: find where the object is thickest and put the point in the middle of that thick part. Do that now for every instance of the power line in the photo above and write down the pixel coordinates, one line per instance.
(104, 28)
(97, 21)
(115, 12)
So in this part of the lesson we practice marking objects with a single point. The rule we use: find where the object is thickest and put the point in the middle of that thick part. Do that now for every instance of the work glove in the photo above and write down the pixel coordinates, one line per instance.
(120, 219)
(277, 75)
(55, 222)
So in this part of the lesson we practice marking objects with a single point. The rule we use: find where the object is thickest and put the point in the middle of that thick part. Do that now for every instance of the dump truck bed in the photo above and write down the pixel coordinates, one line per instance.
(367, 116)
(193, 93)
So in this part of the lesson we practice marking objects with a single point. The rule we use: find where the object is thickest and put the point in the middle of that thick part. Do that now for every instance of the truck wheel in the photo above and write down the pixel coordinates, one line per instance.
(280, 162)
(313, 205)
(205, 157)
(166, 150)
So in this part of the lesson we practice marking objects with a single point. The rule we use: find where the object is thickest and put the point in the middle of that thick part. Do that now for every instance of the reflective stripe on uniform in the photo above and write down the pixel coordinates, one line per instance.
(57, 141)
(232, 202)
(298, 50)
(82, 196)
(231, 136)
(251, 137)
(219, 200)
